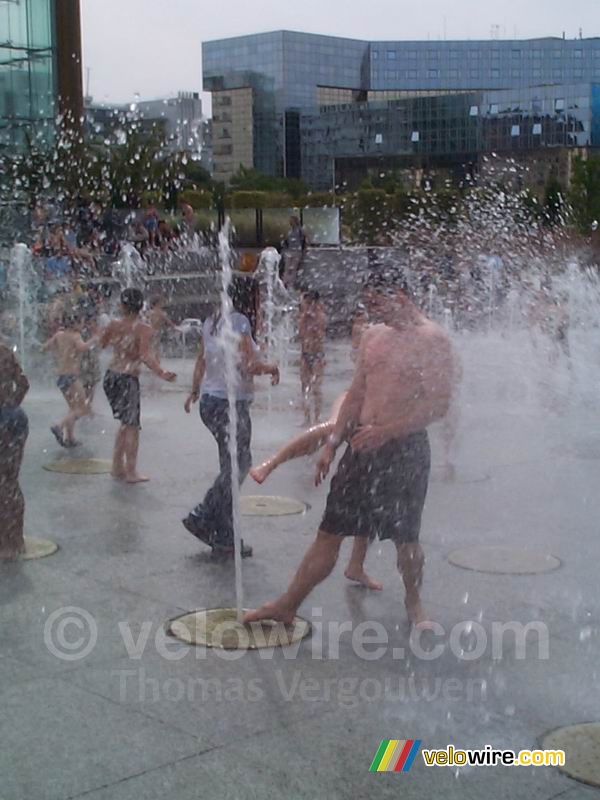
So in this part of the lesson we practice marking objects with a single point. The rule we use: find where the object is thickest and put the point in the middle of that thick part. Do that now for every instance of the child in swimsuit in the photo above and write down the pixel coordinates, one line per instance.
(68, 347)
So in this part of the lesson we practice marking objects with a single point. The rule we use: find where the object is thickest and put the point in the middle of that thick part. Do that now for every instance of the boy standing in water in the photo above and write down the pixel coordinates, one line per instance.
(312, 325)
(68, 347)
(131, 340)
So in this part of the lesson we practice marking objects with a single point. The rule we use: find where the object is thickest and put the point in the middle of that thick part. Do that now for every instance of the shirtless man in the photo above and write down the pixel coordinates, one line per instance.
(312, 325)
(403, 383)
(131, 340)
(68, 347)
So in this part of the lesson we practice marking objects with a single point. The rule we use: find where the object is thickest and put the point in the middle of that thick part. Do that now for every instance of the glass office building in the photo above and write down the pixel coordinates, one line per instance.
(342, 143)
(285, 71)
(292, 74)
(490, 64)
(27, 69)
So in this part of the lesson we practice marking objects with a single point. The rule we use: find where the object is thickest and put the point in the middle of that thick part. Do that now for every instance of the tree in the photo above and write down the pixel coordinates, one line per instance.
(585, 192)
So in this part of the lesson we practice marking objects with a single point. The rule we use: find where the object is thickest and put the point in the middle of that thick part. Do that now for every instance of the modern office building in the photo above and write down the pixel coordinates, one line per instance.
(40, 67)
(282, 78)
(450, 133)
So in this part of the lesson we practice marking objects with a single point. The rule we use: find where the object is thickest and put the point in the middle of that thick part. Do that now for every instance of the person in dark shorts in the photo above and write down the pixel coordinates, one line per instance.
(380, 493)
(131, 340)
(14, 429)
(123, 394)
(403, 382)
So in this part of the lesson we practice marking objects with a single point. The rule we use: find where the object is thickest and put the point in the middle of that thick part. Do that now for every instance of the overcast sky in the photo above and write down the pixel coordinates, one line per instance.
(153, 47)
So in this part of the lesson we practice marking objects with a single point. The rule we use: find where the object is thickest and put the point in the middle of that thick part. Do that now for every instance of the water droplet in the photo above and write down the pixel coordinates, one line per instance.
(585, 633)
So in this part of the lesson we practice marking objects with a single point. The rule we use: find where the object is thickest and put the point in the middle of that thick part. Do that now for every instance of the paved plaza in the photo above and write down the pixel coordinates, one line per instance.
(140, 716)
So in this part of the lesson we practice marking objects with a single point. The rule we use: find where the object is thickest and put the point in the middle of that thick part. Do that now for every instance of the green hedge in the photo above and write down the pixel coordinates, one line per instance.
(257, 199)
(197, 200)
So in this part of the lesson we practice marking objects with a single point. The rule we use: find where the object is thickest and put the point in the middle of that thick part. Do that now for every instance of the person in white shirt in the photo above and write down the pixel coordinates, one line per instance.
(212, 520)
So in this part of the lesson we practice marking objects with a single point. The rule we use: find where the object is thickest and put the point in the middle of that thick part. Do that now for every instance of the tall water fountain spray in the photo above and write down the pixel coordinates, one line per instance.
(278, 304)
(130, 269)
(22, 285)
(231, 350)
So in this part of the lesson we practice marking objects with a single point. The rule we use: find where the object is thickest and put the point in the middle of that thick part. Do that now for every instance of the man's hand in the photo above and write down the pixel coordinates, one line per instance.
(170, 377)
(324, 463)
(368, 437)
(275, 376)
(193, 397)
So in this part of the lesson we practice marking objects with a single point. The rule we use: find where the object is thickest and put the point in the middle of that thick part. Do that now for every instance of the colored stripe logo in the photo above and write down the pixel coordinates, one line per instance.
(395, 755)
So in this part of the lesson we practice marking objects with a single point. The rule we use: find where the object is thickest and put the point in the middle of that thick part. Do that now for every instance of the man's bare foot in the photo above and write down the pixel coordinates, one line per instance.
(273, 610)
(361, 577)
(118, 474)
(135, 478)
(261, 473)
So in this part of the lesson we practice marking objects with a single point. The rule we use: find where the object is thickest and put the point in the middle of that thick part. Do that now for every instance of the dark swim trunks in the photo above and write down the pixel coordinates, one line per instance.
(65, 382)
(382, 492)
(312, 359)
(123, 394)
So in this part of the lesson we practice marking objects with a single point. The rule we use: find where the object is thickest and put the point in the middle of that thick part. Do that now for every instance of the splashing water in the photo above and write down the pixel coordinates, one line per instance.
(278, 306)
(230, 346)
(130, 269)
(22, 285)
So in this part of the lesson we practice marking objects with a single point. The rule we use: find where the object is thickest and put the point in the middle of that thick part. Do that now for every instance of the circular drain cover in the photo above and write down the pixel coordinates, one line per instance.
(581, 745)
(270, 506)
(219, 628)
(37, 548)
(80, 466)
(503, 560)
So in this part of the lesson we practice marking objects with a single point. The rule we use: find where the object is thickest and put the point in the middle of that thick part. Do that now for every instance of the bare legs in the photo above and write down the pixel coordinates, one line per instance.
(355, 571)
(411, 561)
(311, 378)
(317, 564)
(302, 445)
(78, 408)
(125, 455)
